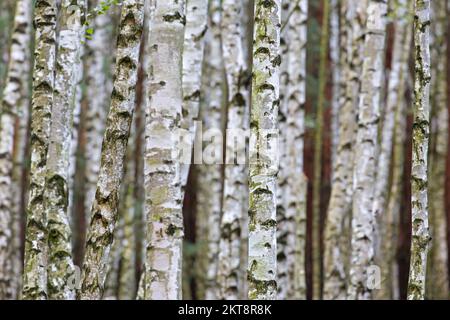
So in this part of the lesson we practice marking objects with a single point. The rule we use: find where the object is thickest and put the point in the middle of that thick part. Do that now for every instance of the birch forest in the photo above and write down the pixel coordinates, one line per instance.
(224, 149)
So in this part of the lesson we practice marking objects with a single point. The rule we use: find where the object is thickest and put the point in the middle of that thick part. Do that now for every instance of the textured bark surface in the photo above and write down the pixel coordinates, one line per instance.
(56, 194)
(437, 272)
(363, 220)
(263, 149)
(35, 265)
(337, 229)
(14, 105)
(292, 185)
(318, 137)
(235, 194)
(386, 219)
(209, 175)
(419, 172)
(105, 207)
(162, 169)
(193, 51)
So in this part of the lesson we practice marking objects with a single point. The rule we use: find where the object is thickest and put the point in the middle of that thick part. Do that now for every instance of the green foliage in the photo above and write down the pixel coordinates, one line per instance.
(102, 8)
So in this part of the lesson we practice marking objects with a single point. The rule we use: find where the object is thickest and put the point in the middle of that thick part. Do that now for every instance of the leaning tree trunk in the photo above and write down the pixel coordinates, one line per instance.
(193, 50)
(35, 265)
(437, 273)
(105, 207)
(419, 172)
(14, 105)
(337, 227)
(56, 198)
(162, 169)
(235, 179)
(363, 220)
(318, 137)
(263, 149)
(398, 76)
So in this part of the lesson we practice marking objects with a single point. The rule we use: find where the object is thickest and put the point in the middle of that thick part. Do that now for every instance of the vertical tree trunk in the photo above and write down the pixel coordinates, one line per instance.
(60, 264)
(235, 179)
(14, 105)
(162, 169)
(437, 272)
(35, 265)
(318, 136)
(363, 220)
(337, 227)
(6, 10)
(419, 173)
(193, 50)
(263, 166)
(105, 207)
(385, 235)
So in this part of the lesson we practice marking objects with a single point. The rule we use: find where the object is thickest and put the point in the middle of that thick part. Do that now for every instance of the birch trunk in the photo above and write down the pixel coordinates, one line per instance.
(36, 235)
(235, 192)
(337, 227)
(318, 136)
(437, 273)
(97, 66)
(385, 235)
(263, 166)
(419, 172)
(291, 190)
(14, 104)
(335, 54)
(363, 220)
(193, 50)
(163, 198)
(105, 207)
(6, 9)
(56, 197)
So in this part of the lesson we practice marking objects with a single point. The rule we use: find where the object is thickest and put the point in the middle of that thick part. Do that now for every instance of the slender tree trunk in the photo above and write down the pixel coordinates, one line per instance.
(385, 246)
(263, 166)
(6, 10)
(105, 207)
(35, 266)
(162, 169)
(235, 193)
(363, 220)
(337, 227)
(193, 50)
(318, 137)
(335, 55)
(419, 172)
(14, 104)
(437, 272)
(56, 197)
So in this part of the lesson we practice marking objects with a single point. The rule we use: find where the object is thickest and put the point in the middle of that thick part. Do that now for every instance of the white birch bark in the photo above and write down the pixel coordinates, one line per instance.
(337, 227)
(35, 265)
(14, 104)
(105, 207)
(163, 200)
(235, 174)
(363, 220)
(193, 51)
(419, 172)
(263, 150)
(335, 54)
(384, 246)
(437, 272)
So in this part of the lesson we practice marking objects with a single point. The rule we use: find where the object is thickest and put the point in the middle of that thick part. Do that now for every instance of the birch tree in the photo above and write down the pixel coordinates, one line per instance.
(398, 76)
(162, 169)
(235, 193)
(363, 221)
(335, 53)
(35, 265)
(337, 226)
(14, 104)
(263, 166)
(437, 273)
(419, 172)
(105, 207)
